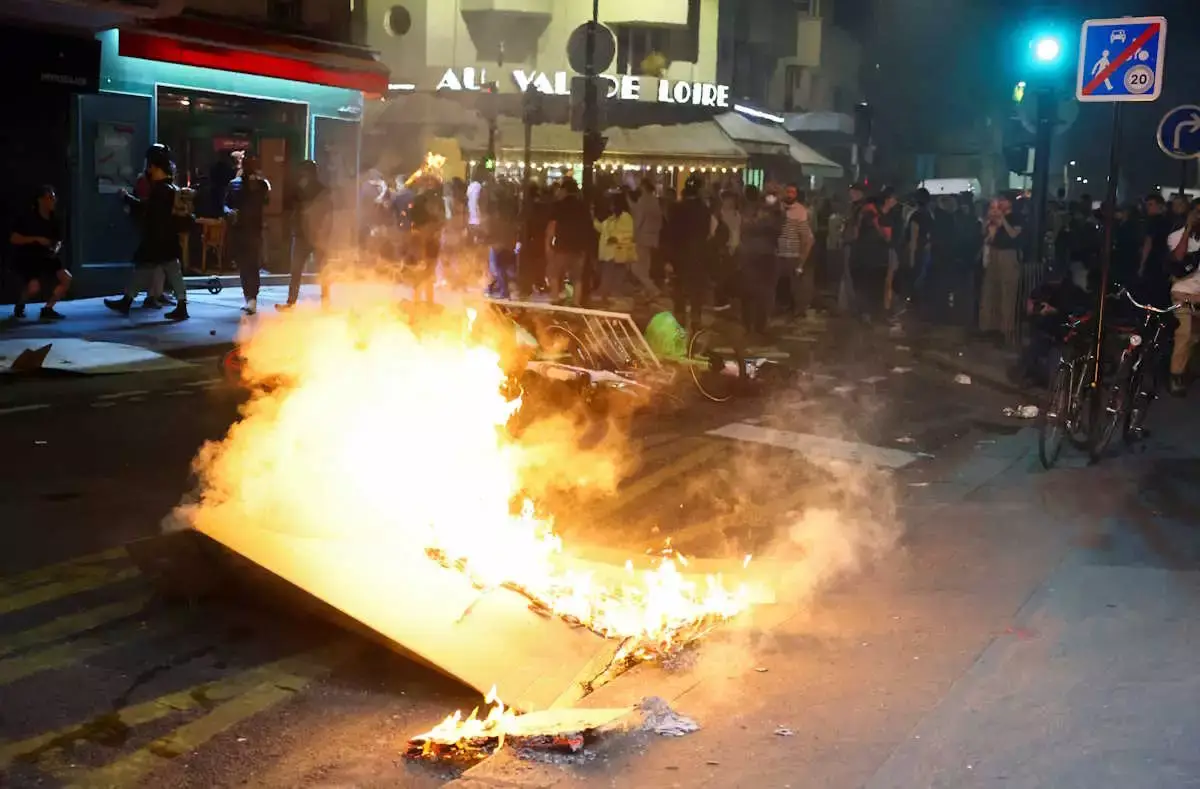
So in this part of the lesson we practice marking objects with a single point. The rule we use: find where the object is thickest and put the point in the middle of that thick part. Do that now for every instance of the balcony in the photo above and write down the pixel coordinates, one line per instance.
(506, 30)
(642, 13)
(534, 7)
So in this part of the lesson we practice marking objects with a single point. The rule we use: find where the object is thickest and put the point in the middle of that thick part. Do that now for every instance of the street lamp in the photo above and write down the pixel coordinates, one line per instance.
(1047, 49)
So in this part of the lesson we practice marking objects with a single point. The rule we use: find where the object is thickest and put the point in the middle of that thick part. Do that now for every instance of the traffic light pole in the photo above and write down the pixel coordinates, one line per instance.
(590, 102)
(1110, 208)
(1047, 117)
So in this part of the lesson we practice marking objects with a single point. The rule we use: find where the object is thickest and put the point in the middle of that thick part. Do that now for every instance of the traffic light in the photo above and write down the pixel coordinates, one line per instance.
(1046, 56)
(1047, 49)
(489, 163)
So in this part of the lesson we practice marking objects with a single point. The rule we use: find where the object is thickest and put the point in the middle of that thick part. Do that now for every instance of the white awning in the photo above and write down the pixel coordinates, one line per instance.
(772, 139)
(686, 142)
(829, 122)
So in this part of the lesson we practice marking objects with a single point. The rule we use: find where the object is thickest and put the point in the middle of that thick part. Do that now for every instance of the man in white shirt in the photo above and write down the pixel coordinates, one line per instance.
(1184, 246)
(474, 214)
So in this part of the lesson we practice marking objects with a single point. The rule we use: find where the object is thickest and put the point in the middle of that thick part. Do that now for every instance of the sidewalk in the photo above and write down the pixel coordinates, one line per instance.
(955, 351)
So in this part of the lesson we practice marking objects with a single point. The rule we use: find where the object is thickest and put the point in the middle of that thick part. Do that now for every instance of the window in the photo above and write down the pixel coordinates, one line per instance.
(674, 42)
(808, 7)
(793, 79)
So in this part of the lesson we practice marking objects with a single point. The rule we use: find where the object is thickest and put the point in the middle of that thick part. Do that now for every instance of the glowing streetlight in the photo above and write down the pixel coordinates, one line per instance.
(1047, 49)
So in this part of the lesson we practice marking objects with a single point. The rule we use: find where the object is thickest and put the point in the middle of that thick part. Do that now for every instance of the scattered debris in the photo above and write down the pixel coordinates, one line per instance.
(712, 762)
(918, 484)
(762, 669)
(661, 719)
(906, 440)
(903, 348)
(874, 379)
(843, 390)
(962, 378)
(783, 731)
(1022, 412)
(40, 443)
(242, 739)
(901, 370)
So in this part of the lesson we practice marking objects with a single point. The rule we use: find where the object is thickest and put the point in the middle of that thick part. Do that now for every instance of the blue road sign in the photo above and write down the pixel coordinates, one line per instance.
(1179, 132)
(1121, 59)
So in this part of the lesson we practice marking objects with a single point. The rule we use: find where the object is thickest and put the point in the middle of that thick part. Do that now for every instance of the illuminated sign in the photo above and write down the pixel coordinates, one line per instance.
(622, 87)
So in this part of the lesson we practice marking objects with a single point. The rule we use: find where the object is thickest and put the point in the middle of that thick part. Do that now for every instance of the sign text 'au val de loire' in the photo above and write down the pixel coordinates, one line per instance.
(624, 87)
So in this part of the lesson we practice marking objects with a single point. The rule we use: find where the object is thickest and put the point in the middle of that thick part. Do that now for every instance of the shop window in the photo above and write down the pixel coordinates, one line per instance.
(636, 43)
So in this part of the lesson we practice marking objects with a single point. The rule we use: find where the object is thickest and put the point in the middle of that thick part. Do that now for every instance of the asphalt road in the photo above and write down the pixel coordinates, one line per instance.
(102, 683)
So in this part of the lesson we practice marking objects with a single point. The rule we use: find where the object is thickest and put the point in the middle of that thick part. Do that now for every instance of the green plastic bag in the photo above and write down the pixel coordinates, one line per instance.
(666, 337)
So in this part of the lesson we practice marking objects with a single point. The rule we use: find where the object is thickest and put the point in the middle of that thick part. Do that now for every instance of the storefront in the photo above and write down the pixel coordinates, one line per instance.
(283, 99)
(777, 156)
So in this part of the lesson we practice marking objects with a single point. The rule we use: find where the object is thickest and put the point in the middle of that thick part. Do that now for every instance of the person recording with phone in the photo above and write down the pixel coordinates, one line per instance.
(1184, 266)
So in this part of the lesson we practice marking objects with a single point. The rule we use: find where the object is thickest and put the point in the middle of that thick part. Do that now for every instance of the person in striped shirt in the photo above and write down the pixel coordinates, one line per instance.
(796, 242)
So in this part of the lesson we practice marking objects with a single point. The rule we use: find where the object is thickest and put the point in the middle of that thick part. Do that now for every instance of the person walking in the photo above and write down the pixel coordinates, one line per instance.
(248, 196)
(692, 225)
(36, 240)
(647, 231)
(1002, 277)
(161, 227)
(1184, 246)
(307, 203)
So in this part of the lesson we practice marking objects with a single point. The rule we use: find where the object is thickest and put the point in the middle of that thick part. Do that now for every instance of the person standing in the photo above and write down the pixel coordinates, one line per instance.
(161, 227)
(36, 240)
(248, 196)
(1002, 277)
(920, 252)
(846, 291)
(568, 237)
(760, 226)
(1184, 246)
(531, 253)
(617, 250)
(427, 221)
(1153, 283)
(307, 204)
(691, 224)
(647, 231)
(796, 242)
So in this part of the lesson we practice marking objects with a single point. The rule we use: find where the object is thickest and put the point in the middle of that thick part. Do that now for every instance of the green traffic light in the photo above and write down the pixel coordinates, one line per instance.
(1047, 49)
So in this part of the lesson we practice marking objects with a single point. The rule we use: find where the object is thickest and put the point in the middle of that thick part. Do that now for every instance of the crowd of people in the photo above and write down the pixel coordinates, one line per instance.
(756, 255)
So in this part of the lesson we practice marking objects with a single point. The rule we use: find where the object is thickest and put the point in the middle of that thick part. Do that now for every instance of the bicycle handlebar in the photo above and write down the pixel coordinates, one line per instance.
(1148, 307)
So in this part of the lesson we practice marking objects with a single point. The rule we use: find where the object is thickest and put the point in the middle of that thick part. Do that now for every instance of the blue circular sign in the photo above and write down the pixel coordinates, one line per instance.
(1179, 132)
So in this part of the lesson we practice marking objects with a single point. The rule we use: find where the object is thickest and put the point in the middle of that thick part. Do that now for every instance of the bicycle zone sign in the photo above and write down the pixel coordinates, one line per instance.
(1121, 59)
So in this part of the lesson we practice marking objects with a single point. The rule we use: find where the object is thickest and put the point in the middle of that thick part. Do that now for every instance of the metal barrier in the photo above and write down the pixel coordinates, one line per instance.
(591, 338)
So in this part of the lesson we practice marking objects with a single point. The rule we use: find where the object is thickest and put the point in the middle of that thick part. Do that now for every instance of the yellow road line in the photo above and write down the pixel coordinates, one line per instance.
(87, 580)
(55, 572)
(71, 624)
(135, 767)
(59, 655)
(204, 696)
(641, 486)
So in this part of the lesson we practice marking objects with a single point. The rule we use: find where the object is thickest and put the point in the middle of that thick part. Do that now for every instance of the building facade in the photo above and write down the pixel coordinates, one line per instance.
(281, 79)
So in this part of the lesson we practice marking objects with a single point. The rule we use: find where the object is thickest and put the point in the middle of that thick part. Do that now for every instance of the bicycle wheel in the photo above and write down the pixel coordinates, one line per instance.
(1108, 410)
(1056, 417)
(1144, 386)
(714, 369)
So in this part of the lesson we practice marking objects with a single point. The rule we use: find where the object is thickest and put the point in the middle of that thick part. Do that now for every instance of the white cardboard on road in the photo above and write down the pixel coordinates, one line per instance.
(817, 446)
(71, 354)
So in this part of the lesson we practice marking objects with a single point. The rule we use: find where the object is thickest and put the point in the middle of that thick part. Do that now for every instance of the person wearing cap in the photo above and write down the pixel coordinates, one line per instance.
(161, 227)
(691, 227)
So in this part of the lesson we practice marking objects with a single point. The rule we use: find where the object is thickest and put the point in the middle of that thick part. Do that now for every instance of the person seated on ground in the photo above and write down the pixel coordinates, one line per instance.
(36, 240)
(1048, 308)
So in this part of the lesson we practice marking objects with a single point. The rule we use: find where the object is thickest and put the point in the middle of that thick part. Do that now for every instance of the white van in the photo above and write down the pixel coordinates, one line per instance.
(951, 186)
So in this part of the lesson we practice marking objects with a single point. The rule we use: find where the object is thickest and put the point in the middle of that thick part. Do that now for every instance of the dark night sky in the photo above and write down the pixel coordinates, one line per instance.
(946, 63)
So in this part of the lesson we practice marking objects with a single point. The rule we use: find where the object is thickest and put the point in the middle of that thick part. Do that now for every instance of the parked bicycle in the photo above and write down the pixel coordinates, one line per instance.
(1067, 411)
(1134, 386)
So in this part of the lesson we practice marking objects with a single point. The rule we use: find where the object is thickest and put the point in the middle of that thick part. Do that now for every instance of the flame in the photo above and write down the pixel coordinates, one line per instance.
(433, 165)
(397, 433)
(456, 729)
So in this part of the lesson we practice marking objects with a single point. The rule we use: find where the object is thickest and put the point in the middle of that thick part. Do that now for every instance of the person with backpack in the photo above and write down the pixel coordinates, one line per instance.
(161, 227)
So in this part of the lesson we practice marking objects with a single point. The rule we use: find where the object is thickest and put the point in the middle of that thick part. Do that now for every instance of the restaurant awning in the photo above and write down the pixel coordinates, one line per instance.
(773, 140)
(200, 42)
(684, 143)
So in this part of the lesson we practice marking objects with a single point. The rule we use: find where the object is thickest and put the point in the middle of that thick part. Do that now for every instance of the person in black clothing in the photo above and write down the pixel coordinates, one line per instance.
(501, 212)
(248, 196)
(759, 234)
(161, 228)
(307, 202)
(570, 237)
(428, 219)
(891, 215)
(36, 240)
(1047, 310)
(691, 225)
(531, 263)
(919, 237)
(1153, 283)
(869, 258)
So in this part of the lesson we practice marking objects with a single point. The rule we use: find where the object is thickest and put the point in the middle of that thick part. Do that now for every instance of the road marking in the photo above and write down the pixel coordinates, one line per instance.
(55, 572)
(314, 663)
(85, 582)
(821, 447)
(119, 395)
(71, 625)
(80, 649)
(206, 383)
(20, 409)
(278, 686)
(103, 404)
(643, 485)
(179, 393)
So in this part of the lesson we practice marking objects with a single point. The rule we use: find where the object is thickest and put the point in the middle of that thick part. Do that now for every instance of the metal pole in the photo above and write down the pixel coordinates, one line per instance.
(1047, 116)
(1183, 177)
(590, 100)
(1110, 206)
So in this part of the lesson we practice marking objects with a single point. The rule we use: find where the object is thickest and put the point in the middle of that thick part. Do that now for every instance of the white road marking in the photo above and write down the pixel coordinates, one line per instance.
(103, 404)
(206, 383)
(817, 446)
(18, 409)
(179, 393)
(119, 395)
